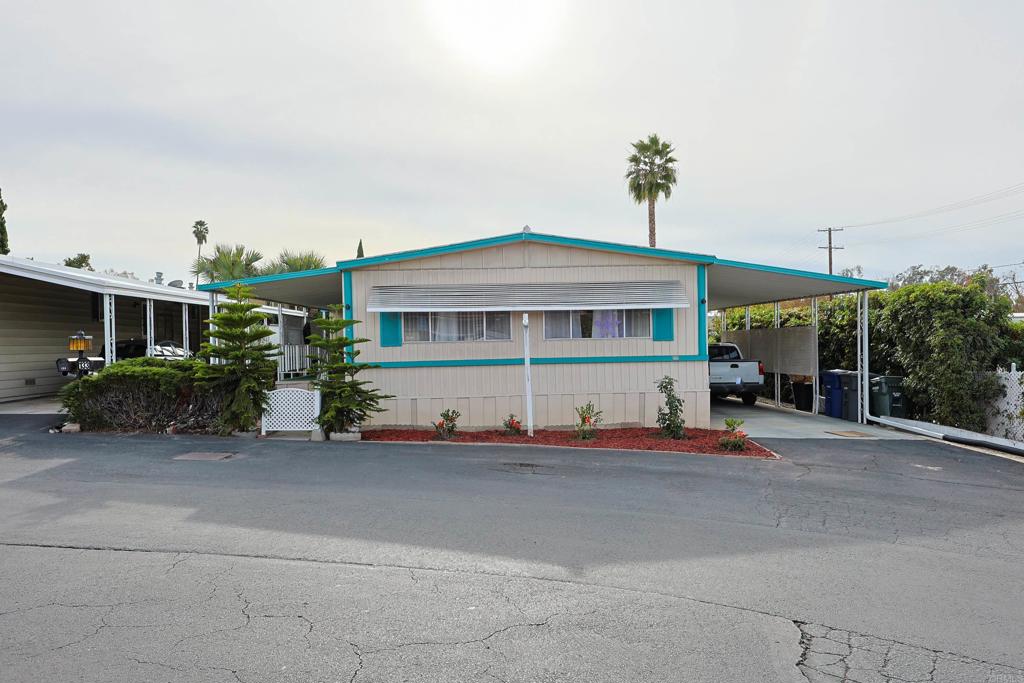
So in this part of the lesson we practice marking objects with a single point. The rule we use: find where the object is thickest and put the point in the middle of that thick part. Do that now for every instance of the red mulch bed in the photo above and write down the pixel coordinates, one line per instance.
(697, 441)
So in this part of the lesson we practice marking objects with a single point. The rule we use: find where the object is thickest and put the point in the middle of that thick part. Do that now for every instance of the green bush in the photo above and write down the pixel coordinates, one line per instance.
(143, 394)
(670, 416)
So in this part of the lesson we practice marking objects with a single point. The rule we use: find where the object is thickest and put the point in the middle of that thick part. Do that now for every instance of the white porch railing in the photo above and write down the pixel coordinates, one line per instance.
(294, 360)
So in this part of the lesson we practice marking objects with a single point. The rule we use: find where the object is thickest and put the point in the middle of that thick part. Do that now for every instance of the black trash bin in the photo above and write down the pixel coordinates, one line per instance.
(803, 396)
(887, 399)
(850, 382)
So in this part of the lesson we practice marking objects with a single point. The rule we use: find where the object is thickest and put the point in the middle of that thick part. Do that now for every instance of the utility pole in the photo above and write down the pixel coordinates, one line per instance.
(830, 247)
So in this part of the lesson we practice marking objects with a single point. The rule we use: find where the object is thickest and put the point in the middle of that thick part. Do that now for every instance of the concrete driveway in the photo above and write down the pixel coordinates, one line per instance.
(847, 560)
(766, 421)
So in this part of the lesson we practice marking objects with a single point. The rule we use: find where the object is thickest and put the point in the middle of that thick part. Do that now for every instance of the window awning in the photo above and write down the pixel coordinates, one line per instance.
(534, 296)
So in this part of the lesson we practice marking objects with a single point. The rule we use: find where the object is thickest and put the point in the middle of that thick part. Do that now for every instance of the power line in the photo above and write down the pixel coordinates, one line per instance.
(962, 204)
(960, 227)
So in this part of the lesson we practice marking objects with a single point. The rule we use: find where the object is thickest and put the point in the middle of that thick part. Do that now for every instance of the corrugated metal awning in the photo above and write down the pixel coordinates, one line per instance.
(534, 296)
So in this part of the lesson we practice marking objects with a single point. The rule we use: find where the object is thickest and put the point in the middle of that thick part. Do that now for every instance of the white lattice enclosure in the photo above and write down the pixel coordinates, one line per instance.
(1007, 417)
(291, 410)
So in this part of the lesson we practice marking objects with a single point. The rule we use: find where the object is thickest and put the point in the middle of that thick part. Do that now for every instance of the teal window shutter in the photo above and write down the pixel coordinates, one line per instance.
(663, 324)
(390, 329)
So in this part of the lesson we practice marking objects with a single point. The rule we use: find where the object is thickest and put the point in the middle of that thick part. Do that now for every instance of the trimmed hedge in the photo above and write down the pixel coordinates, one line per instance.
(147, 395)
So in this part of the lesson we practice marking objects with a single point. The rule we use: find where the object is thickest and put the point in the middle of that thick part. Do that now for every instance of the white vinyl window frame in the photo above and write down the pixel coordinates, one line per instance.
(431, 327)
(622, 311)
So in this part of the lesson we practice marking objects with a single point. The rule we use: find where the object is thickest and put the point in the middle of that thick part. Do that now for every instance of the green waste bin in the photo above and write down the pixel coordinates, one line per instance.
(887, 399)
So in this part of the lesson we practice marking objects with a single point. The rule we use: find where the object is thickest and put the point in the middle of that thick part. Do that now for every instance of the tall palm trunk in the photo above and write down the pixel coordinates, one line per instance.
(650, 222)
(197, 262)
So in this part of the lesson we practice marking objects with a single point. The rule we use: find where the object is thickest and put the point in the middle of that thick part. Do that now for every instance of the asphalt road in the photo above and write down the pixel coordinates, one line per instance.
(855, 560)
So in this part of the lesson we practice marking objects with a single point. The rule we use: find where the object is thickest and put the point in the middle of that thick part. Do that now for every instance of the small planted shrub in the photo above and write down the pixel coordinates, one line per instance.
(670, 416)
(512, 425)
(447, 426)
(589, 418)
(735, 440)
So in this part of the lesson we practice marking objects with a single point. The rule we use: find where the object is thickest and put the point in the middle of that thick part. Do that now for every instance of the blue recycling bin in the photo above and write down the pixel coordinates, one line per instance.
(833, 392)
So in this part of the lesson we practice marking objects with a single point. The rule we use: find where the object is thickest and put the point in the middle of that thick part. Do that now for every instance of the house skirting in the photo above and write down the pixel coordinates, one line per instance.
(484, 395)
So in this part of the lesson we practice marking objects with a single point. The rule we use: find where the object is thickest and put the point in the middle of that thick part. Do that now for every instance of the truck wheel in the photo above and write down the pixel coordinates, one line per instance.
(749, 398)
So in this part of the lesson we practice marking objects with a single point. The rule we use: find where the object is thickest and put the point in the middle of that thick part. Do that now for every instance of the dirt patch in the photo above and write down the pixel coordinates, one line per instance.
(698, 440)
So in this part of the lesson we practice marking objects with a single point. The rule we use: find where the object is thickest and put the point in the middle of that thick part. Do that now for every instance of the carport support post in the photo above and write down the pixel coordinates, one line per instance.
(747, 318)
(213, 311)
(528, 382)
(184, 329)
(860, 357)
(778, 375)
(865, 390)
(280, 343)
(149, 327)
(109, 330)
(815, 380)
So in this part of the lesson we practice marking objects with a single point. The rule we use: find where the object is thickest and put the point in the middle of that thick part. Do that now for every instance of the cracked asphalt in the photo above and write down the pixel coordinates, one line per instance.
(856, 561)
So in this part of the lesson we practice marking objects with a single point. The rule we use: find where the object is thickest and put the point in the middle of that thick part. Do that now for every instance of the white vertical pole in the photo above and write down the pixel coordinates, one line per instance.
(860, 364)
(778, 375)
(747, 317)
(280, 342)
(529, 381)
(185, 343)
(213, 311)
(815, 382)
(149, 327)
(109, 336)
(865, 391)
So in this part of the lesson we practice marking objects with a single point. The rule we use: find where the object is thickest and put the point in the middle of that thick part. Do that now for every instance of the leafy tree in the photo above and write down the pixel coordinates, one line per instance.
(80, 260)
(200, 231)
(228, 263)
(240, 362)
(943, 338)
(345, 400)
(5, 245)
(651, 174)
(359, 250)
(293, 261)
(670, 416)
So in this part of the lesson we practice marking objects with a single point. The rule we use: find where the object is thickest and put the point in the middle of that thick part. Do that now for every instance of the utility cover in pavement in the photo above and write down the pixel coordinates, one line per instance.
(204, 455)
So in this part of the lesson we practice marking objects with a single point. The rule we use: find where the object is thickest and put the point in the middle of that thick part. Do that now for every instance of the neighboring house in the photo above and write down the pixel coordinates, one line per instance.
(41, 304)
(605, 322)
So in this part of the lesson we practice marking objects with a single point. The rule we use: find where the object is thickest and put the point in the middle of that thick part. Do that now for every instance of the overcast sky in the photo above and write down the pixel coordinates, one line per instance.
(312, 125)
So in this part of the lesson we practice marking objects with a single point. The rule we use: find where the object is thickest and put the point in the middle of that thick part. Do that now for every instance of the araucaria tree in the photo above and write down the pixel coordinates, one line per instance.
(240, 360)
(651, 174)
(5, 245)
(345, 400)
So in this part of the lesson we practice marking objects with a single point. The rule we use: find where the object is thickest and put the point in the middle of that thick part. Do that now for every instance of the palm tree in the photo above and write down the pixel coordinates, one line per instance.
(227, 263)
(292, 261)
(651, 174)
(200, 231)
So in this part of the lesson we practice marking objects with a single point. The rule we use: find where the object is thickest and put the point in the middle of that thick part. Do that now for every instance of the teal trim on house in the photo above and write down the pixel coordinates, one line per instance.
(702, 309)
(526, 237)
(663, 324)
(856, 282)
(347, 302)
(555, 360)
(390, 329)
(259, 279)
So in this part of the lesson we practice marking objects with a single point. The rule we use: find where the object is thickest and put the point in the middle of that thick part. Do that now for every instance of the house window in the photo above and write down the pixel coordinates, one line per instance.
(457, 326)
(612, 324)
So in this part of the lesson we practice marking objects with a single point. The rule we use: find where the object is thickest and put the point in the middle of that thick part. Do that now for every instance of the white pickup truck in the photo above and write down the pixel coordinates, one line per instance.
(732, 375)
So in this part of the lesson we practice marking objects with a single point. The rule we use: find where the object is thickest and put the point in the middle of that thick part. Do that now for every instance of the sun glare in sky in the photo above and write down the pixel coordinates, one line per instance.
(498, 39)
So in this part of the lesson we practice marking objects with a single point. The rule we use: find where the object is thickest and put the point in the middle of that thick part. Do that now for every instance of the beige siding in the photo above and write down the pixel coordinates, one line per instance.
(624, 391)
(36, 319)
